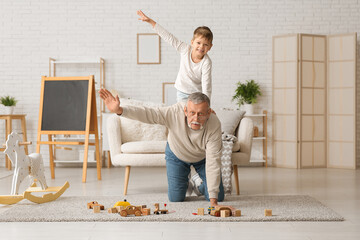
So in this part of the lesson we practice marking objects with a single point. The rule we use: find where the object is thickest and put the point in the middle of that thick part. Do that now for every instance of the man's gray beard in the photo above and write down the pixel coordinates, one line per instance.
(201, 126)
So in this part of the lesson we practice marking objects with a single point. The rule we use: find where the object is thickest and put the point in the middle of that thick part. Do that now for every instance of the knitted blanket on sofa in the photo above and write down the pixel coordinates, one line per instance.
(226, 163)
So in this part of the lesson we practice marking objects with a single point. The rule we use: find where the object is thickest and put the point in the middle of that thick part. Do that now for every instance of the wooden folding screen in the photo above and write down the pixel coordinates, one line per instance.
(312, 93)
(285, 100)
(342, 101)
(314, 109)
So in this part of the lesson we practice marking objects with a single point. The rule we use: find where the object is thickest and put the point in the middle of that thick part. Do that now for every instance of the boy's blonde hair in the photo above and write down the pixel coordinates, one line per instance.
(204, 32)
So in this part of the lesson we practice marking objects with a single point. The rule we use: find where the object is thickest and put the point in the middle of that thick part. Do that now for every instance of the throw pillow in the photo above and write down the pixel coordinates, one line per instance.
(230, 120)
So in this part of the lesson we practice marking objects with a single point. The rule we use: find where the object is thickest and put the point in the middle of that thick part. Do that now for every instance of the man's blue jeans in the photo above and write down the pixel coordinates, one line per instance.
(178, 177)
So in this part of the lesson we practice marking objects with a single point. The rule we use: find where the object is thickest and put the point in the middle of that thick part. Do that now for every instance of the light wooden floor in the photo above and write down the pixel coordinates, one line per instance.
(338, 189)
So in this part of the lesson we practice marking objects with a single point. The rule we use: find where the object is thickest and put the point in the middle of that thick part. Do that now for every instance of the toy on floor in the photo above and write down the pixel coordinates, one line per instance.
(210, 209)
(145, 211)
(129, 210)
(268, 212)
(28, 165)
(217, 211)
(122, 203)
(225, 213)
(200, 211)
(158, 211)
(112, 210)
(236, 213)
(91, 204)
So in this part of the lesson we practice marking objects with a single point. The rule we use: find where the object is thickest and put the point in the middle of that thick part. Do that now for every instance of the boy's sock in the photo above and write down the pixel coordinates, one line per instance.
(196, 182)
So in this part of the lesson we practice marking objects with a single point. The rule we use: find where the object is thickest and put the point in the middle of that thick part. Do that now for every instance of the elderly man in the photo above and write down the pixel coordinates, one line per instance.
(194, 139)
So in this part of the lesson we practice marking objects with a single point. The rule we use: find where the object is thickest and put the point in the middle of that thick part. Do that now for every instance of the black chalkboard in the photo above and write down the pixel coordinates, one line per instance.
(65, 105)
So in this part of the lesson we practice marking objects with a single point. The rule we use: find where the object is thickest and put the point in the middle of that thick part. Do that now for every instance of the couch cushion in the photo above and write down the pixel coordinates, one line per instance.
(132, 130)
(236, 146)
(230, 120)
(141, 147)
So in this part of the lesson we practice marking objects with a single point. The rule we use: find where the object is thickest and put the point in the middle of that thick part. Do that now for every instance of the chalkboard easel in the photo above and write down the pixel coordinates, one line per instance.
(68, 106)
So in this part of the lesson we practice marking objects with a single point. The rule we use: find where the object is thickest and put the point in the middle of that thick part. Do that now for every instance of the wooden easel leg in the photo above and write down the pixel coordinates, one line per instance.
(236, 176)
(85, 157)
(51, 154)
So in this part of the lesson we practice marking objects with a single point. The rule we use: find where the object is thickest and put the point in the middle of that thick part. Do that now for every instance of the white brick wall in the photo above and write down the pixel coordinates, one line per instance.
(34, 30)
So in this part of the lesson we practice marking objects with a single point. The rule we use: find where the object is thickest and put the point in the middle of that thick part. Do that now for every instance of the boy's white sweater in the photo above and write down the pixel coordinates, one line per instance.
(192, 77)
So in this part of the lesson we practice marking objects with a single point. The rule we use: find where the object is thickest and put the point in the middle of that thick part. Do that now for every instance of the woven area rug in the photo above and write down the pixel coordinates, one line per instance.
(73, 209)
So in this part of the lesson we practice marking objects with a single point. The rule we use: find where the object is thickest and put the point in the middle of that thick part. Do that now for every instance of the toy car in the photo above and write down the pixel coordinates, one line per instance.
(129, 210)
(216, 212)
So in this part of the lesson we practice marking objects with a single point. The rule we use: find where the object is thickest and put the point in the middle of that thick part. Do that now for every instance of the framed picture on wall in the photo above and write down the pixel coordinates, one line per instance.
(148, 48)
(169, 93)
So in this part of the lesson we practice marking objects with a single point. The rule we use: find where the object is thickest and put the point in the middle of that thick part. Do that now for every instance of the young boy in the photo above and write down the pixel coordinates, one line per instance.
(195, 65)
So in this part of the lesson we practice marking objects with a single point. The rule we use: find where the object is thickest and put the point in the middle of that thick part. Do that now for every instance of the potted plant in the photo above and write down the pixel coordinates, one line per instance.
(9, 103)
(246, 94)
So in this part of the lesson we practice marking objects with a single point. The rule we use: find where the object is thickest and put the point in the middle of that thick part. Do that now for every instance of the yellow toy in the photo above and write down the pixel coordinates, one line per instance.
(122, 203)
(28, 165)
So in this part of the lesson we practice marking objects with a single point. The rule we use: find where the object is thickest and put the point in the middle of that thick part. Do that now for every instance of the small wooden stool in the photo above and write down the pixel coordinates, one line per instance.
(8, 126)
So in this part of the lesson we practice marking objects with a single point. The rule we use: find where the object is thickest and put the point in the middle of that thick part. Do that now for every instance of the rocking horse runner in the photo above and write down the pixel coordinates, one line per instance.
(28, 165)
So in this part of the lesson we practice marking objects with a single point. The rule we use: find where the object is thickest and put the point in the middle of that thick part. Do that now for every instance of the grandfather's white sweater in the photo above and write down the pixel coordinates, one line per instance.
(192, 77)
(187, 144)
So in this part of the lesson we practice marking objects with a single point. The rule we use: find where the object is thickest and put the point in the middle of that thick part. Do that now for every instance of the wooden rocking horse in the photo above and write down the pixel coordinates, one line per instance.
(28, 166)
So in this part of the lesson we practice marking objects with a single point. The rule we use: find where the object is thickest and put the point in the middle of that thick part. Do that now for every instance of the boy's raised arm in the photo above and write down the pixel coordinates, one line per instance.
(145, 18)
(163, 33)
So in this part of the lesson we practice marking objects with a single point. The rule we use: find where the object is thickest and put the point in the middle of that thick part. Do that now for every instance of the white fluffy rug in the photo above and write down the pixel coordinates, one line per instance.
(73, 209)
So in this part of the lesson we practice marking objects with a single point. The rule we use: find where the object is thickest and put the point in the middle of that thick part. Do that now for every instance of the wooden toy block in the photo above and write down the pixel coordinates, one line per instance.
(143, 206)
(96, 208)
(237, 213)
(112, 210)
(90, 204)
(119, 208)
(101, 206)
(200, 211)
(145, 211)
(268, 212)
(224, 213)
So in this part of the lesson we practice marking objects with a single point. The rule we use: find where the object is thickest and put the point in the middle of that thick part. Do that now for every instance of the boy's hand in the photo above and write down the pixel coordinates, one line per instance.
(145, 18)
(113, 104)
(214, 203)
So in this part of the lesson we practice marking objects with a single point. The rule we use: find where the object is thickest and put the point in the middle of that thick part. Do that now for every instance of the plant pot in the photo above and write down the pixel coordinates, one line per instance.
(248, 108)
(8, 110)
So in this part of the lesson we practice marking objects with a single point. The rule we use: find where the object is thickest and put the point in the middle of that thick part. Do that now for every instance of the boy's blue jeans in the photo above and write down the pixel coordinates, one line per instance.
(178, 177)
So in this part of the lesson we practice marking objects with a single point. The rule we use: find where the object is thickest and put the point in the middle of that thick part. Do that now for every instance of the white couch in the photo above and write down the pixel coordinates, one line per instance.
(135, 144)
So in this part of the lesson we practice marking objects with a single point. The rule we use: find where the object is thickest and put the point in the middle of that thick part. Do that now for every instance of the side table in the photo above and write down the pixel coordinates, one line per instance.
(8, 126)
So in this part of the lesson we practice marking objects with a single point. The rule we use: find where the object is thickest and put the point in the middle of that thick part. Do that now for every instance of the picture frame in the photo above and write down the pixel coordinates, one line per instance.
(169, 93)
(148, 48)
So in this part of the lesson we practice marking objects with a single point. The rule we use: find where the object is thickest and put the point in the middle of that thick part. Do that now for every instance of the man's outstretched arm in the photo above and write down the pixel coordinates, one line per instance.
(112, 103)
(143, 114)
